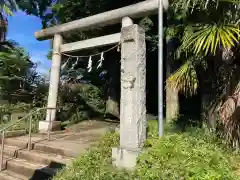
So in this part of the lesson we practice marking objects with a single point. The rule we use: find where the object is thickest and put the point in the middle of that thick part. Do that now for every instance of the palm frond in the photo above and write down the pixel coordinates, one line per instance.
(184, 79)
(8, 6)
(191, 5)
(208, 38)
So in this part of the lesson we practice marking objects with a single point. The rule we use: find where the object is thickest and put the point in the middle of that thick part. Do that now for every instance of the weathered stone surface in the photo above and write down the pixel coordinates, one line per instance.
(141, 9)
(124, 158)
(133, 97)
(18, 115)
(44, 126)
(53, 85)
(133, 84)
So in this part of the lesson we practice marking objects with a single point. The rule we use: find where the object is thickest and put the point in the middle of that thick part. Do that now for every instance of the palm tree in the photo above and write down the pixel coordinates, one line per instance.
(206, 28)
(207, 31)
(7, 7)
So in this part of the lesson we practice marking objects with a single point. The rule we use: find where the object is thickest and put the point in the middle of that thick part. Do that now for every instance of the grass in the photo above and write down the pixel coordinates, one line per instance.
(193, 155)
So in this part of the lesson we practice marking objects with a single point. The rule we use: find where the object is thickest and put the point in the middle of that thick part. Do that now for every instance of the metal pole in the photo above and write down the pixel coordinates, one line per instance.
(160, 69)
(30, 135)
(50, 123)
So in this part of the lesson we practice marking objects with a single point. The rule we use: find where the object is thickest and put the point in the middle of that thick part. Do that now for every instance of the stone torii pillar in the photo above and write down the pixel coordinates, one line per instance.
(133, 95)
(50, 121)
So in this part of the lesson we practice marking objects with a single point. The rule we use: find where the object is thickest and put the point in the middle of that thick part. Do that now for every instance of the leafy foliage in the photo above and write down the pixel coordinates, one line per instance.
(79, 102)
(203, 28)
(185, 79)
(38, 8)
(210, 37)
(207, 36)
(7, 109)
(15, 66)
(19, 81)
(68, 10)
(192, 155)
(8, 6)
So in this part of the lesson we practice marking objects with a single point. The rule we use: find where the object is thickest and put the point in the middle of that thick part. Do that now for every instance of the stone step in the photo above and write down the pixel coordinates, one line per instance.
(22, 167)
(53, 150)
(45, 157)
(15, 143)
(15, 133)
(10, 151)
(32, 171)
(12, 145)
(47, 148)
(9, 175)
(52, 133)
(30, 164)
(38, 157)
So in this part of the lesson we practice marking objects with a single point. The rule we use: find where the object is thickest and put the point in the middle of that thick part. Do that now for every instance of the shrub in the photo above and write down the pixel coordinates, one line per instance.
(191, 155)
(79, 102)
(95, 163)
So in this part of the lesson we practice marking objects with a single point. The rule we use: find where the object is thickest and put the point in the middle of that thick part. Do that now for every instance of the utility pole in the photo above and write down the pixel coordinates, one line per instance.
(162, 5)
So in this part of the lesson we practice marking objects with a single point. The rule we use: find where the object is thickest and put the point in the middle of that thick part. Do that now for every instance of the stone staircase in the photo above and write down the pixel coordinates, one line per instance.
(41, 162)
(46, 157)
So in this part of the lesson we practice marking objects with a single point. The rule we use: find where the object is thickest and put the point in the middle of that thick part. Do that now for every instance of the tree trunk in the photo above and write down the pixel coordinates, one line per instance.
(172, 96)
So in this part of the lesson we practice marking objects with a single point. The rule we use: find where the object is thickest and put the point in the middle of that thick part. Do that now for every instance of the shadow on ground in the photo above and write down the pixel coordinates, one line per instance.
(47, 172)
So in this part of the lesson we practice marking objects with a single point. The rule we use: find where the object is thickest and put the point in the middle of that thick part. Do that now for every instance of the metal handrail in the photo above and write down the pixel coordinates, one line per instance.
(29, 133)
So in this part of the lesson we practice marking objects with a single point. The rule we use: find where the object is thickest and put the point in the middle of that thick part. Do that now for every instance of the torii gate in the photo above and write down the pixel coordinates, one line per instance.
(133, 71)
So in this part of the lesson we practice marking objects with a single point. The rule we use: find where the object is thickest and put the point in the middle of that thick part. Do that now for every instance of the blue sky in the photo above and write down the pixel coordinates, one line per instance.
(21, 29)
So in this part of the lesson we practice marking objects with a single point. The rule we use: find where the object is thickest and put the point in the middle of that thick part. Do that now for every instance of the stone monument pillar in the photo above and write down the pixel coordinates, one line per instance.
(133, 96)
(50, 121)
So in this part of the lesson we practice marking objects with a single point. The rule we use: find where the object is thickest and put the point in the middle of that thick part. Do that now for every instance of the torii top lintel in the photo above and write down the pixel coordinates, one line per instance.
(145, 8)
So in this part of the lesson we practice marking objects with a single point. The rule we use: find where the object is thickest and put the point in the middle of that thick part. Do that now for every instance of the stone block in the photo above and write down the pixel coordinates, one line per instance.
(124, 158)
(18, 115)
(44, 125)
(133, 87)
(133, 121)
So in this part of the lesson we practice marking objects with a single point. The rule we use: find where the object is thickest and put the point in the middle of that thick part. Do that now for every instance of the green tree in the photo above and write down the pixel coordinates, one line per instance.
(36, 7)
(206, 28)
(14, 65)
(207, 34)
